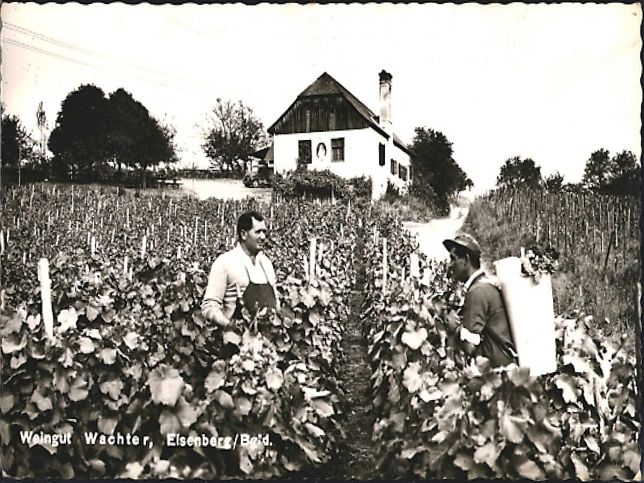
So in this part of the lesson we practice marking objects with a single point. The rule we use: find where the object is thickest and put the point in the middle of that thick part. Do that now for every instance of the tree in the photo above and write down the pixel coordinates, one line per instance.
(157, 142)
(17, 144)
(80, 138)
(94, 132)
(597, 170)
(519, 173)
(617, 175)
(625, 175)
(233, 133)
(554, 182)
(129, 124)
(436, 173)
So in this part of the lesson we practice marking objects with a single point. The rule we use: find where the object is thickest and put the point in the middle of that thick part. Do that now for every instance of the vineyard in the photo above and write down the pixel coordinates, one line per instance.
(268, 397)
(597, 238)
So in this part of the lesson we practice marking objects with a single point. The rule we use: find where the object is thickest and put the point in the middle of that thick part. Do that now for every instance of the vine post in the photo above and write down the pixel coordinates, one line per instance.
(45, 296)
(384, 265)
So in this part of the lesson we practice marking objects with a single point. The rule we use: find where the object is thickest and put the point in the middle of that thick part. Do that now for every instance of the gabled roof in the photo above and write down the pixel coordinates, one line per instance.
(265, 154)
(326, 85)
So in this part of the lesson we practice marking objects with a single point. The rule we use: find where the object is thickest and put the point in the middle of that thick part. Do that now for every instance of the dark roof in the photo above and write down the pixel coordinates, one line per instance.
(260, 153)
(268, 157)
(327, 85)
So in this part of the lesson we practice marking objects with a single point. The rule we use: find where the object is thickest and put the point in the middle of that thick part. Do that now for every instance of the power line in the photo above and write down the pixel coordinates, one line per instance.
(76, 48)
(33, 48)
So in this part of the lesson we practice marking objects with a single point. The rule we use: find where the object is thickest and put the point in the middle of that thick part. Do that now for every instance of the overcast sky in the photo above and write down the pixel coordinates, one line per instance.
(550, 82)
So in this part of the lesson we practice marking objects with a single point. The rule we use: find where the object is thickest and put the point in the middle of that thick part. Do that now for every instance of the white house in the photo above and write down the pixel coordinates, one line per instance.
(327, 127)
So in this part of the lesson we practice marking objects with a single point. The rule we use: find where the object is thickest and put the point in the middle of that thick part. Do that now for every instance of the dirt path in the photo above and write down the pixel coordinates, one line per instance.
(355, 457)
(430, 235)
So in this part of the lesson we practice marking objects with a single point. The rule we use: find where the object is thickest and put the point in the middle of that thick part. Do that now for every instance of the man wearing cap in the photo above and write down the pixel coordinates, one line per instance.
(482, 328)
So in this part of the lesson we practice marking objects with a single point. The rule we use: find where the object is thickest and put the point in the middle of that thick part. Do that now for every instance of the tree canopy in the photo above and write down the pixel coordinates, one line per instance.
(436, 173)
(554, 182)
(618, 175)
(16, 142)
(519, 173)
(80, 138)
(232, 135)
(94, 132)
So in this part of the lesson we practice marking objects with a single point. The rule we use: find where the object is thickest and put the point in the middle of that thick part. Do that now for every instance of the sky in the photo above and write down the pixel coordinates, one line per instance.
(550, 82)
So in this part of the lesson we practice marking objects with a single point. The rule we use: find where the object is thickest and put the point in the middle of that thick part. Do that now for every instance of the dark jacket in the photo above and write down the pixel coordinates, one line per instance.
(484, 314)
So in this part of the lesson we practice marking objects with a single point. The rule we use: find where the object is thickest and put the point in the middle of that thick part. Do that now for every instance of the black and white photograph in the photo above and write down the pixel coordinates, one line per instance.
(320, 241)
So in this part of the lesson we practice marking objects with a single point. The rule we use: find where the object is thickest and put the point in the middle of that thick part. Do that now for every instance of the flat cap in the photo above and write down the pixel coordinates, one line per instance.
(463, 240)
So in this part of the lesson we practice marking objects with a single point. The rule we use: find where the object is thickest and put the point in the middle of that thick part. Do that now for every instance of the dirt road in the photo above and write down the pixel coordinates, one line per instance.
(431, 235)
(232, 189)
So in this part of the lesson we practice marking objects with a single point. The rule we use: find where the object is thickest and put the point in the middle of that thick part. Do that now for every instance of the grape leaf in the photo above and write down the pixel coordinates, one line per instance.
(411, 379)
(108, 356)
(112, 388)
(512, 428)
(274, 379)
(567, 389)
(323, 408)
(224, 399)
(131, 340)
(67, 319)
(91, 313)
(529, 469)
(166, 385)
(86, 345)
(488, 453)
(6, 402)
(580, 468)
(214, 381)
(414, 339)
(314, 430)
(186, 413)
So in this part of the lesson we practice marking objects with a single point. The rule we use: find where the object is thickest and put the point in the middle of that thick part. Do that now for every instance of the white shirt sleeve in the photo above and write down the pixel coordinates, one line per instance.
(469, 336)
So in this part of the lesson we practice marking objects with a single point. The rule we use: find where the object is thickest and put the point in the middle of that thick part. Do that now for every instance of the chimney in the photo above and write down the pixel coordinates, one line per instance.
(385, 99)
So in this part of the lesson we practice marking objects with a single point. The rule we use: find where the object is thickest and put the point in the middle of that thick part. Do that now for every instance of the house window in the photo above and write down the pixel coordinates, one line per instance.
(381, 154)
(337, 148)
(403, 173)
(304, 152)
(394, 167)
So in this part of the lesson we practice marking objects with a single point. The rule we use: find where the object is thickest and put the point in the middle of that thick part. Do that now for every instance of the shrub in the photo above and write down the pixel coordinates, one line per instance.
(320, 184)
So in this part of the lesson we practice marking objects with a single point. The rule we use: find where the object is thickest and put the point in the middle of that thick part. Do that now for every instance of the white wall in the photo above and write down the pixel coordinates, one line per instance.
(360, 153)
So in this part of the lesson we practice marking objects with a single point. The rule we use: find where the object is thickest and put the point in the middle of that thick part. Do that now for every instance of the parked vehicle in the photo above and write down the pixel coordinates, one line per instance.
(261, 177)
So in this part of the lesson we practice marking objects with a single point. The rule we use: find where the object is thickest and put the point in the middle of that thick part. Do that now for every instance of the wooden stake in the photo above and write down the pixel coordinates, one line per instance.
(306, 262)
(384, 265)
(414, 265)
(312, 252)
(45, 296)
(144, 244)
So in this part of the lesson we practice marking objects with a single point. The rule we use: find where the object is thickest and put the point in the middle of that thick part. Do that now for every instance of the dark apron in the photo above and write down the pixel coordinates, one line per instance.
(256, 296)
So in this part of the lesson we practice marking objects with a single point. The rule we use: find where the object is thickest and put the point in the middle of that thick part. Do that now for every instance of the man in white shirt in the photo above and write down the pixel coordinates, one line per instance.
(482, 327)
(244, 273)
